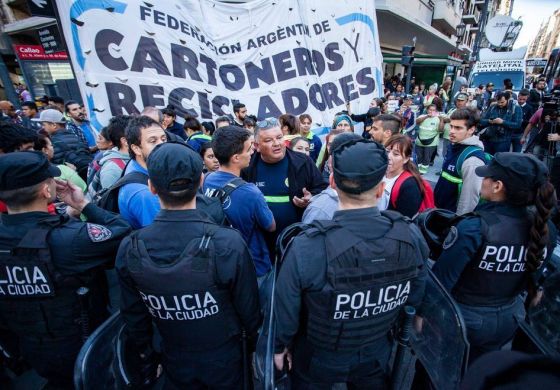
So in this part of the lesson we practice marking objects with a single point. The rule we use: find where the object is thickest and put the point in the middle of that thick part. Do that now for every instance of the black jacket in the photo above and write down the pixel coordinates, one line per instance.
(302, 173)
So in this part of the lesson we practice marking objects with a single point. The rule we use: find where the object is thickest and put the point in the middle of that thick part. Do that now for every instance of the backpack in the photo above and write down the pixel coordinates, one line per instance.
(222, 194)
(428, 201)
(466, 153)
(108, 198)
(94, 173)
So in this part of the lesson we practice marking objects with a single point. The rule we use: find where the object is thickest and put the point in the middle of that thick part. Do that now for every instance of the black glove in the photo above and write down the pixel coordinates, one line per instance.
(149, 362)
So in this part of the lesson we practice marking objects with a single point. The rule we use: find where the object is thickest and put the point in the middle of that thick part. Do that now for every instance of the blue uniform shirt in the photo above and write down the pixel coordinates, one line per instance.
(137, 204)
(272, 180)
(248, 212)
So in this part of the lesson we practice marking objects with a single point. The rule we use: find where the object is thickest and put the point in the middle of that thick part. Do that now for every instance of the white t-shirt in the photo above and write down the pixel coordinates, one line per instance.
(383, 203)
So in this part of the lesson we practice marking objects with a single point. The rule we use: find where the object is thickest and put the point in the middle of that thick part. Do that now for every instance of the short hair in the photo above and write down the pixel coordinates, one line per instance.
(31, 105)
(295, 140)
(503, 94)
(134, 129)
(56, 99)
(192, 123)
(22, 196)
(249, 122)
(467, 114)
(223, 118)
(204, 147)
(524, 92)
(228, 141)
(116, 128)
(41, 140)
(69, 103)
(177, 198)
(169, 112)
(390, 122)
(12, 136)
(238, 106)
(149, 111)
(266, 124)
(303, 117)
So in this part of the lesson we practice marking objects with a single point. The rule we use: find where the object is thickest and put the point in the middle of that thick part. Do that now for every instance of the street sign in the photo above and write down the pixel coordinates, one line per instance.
(36, 53)
(50, 39)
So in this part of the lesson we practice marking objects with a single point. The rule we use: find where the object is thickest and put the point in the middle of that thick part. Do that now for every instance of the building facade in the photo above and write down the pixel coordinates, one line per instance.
(547, 38)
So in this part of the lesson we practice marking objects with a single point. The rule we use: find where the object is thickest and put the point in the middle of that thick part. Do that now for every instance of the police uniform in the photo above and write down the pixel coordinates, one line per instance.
(44, 260)
(342, 283)
(194, 279)
(483, 258)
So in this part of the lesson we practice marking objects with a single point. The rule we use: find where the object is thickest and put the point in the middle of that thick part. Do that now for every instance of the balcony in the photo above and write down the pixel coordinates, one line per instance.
(471, 18)
(445, 17)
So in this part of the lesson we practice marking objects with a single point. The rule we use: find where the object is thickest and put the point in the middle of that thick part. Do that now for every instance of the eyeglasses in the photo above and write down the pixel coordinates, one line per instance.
(267, 123)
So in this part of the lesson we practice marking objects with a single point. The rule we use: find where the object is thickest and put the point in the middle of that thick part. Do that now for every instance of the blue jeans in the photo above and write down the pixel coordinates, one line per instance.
(515, 143)
(494, 147)
(490, 328)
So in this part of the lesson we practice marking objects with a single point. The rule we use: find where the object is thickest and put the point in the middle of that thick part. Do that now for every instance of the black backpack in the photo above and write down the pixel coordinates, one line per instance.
(108, 198)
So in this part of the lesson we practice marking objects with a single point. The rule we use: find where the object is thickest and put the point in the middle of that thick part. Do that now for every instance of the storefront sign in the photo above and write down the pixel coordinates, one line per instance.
(499, 66)
(274, 56)
(37, 53)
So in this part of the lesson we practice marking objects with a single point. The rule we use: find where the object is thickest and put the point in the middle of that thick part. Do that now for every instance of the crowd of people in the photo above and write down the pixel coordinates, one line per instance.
(189, 215)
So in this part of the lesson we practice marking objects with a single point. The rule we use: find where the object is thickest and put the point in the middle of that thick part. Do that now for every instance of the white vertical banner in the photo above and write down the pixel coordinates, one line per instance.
(202, 56)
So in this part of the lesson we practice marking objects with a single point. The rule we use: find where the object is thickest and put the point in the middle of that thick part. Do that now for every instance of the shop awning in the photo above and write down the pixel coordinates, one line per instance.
(28, 24)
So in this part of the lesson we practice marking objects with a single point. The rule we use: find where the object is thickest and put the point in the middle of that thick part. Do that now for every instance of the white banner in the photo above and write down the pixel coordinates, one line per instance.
(202, 56)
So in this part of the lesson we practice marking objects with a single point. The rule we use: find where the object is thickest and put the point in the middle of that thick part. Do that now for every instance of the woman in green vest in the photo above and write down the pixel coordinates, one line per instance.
(430, 125)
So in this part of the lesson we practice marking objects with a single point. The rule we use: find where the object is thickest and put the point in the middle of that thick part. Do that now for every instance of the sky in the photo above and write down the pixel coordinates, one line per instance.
(533, 13)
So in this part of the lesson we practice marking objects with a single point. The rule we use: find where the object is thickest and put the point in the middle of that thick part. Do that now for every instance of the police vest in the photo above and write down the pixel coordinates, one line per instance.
(367, 283)
(192, 312)
(448, 188)
(497, 274)
(37, 300)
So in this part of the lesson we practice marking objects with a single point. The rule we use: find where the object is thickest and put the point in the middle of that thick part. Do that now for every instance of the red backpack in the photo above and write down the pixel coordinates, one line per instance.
(428, 201)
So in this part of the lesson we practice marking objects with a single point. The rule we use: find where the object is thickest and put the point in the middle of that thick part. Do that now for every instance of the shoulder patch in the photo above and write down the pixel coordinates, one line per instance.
(451, 238)
(98, 233)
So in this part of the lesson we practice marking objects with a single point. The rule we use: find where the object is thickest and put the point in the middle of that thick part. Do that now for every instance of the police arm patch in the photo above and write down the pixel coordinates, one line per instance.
(451, 238)
(98, 233)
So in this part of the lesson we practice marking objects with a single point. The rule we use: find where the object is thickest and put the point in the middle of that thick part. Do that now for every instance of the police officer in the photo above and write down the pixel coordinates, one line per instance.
(45, 259)
(194, 279)
(342, 282)
(491, 256)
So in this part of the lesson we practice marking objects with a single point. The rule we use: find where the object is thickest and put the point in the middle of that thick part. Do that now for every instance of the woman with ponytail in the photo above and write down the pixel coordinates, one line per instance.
(494, 254)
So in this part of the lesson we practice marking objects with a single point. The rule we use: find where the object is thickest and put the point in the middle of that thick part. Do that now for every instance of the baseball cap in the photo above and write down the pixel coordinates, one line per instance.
(50, 115)
(174, 166)
(361, 161)
(24, 169)
(408, 96)
(461, 96)
(519, 172)
(490, 84)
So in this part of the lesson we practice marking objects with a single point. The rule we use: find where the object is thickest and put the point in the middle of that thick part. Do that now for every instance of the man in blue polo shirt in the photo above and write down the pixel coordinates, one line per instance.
(136, 203)
(245, 207)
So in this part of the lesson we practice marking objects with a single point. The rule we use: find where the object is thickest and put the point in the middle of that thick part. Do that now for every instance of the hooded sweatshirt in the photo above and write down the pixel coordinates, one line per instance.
(110, 172)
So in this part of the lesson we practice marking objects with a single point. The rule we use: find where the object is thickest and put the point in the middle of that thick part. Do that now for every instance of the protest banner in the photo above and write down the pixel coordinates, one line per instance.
(307, 56)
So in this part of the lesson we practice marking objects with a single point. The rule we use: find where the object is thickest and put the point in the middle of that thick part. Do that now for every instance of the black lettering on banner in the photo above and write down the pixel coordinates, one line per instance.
(316, 97)
(204, 105)
(103, 39)
(347, 87)
(290, 106)
(210, 69)
(176, 98)
(147, 55)
(263, 73)
(217, 103)
(330, 92)
(25, 281)
(238, 77)
(121, 98)
(333, 55)
(319, 62)
(370, 302)
(354, 47)
(368, 83)
(303, 61)
(184, 59)
(152, 95)
(283, 66)
(267, 108)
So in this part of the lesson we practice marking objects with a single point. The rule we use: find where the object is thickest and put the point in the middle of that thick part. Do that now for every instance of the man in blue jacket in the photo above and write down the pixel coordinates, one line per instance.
(500, 121)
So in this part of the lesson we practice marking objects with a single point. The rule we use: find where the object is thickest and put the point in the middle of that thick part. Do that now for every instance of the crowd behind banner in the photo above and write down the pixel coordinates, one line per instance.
(278, 172)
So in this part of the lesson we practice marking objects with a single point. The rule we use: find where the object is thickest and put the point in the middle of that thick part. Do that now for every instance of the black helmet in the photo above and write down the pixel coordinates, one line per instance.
(434, 225)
